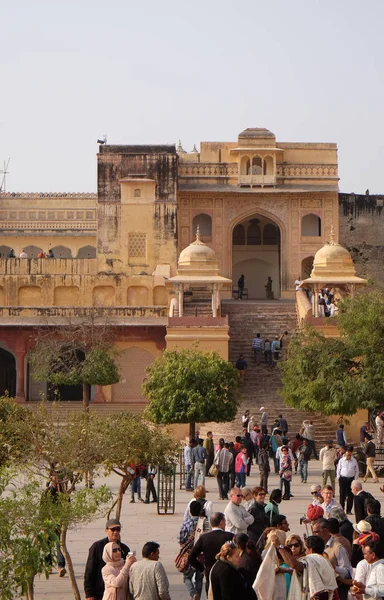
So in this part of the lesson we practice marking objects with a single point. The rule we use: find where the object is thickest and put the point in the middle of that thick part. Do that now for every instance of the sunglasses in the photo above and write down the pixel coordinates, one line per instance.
(115, 528)
(239, 495)
(294, 545)
(116, 549)
(314, 493)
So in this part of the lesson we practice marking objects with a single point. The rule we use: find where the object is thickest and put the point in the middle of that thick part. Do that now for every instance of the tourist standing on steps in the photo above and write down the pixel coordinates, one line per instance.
(241, 365)
(347, 471)
(240, 285)
(257, 347)
(264, 420)
(275, 347)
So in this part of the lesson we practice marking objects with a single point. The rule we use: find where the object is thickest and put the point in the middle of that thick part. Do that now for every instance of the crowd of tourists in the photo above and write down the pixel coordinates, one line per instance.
(248, 551)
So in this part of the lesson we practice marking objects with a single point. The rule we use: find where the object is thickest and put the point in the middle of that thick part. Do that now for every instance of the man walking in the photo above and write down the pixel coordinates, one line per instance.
(210, 450)
(151, 474)
(188, 463)
(236, 516)
(148, 580)
(93, 580)
(257, 347)
(283, 425)
(199, 455)
(308, 433)
(327, 458)
(209, 545)
(264, 420)
(359, 498)
(223, 461)
(347, 471)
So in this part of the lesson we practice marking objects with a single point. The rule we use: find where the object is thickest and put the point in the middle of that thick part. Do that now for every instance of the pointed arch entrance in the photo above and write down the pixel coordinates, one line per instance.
(7, 373)
(256, 254)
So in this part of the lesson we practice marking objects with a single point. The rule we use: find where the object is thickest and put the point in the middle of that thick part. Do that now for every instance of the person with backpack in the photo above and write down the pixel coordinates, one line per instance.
(275, 347)
(193, 579)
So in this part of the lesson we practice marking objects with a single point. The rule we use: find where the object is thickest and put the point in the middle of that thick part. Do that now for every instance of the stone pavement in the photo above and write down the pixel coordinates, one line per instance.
(141, 523)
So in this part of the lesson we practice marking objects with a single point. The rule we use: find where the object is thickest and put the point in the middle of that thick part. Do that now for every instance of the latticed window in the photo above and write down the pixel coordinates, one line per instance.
(137, 245)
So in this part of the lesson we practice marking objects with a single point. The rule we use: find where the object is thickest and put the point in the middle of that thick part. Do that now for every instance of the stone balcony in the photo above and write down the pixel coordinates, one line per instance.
(48, 266)
(259, 180)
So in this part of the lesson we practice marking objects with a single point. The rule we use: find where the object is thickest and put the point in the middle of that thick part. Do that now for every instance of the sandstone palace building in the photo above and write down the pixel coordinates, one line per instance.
(259, 207)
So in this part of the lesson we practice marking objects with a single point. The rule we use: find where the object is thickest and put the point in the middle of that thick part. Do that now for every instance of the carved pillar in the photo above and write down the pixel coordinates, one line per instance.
(315, 302)
(181, 299)
(214, 300)
(20, 365)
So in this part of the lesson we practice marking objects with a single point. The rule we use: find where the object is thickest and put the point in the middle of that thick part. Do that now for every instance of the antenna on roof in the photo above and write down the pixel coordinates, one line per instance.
(104, 140)
(4, 171)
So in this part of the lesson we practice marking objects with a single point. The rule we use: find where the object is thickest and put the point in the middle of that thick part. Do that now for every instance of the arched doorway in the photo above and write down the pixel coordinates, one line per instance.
(7, 373)
(256, 255)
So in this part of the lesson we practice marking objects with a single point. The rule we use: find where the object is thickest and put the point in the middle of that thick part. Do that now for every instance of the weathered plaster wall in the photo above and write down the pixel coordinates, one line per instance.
(361, 230)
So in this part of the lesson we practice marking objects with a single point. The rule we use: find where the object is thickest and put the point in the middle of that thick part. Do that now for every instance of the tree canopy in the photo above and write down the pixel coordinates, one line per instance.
(189, 386)
(339, 375)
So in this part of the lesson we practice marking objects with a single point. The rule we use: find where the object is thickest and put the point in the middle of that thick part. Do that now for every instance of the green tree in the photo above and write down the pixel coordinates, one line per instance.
(190, 386)
(76, 353)
(131, 442)
(339, 375)
(13, 447)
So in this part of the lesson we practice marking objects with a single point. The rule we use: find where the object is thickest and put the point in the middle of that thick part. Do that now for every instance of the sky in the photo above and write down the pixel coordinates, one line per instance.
(156, 72)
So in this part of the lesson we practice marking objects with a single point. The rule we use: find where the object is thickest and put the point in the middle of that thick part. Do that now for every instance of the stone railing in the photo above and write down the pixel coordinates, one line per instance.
(257, 179)
(307, 171)
(48, 266)
(87, 311)
(303, 307)
(48, 195)
(51, 225)
(202, 170)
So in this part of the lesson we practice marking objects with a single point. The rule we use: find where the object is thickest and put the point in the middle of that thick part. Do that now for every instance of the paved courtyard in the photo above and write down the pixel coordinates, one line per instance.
(141, 523)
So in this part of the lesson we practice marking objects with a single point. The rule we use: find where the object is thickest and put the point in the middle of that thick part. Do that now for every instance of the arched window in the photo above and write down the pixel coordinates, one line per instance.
(4, 251)
(238, 236)
(61, 252)
(7, 373)
(32, 251)
(87, 252)
(306, 267)
(205, 225)
(253, 234)
(245, 165)
(311, 225)
(268, 165)
(137, 193)
(256, 166)
(270, 235)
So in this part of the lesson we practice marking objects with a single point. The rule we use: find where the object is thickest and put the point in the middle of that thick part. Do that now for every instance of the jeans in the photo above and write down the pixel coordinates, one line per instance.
(241, 479)
(136, 487)
(303, 470)
(232, 480)
(223, 484)
(312, 445)
(264, 479)
(188, 482)
(193, 581)
(199, 468)
(331, 473)
(287, 488)
(276, 462)
(346, 492)
(257, 353)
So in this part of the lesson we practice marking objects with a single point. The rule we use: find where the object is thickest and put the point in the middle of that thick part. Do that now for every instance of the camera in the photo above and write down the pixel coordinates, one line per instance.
(302, 519)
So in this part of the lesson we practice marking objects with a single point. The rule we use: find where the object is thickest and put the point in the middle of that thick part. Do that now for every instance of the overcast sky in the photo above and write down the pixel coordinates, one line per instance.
(156, 71)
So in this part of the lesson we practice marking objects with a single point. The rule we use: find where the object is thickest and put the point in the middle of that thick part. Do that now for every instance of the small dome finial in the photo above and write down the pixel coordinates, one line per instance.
(198, 233)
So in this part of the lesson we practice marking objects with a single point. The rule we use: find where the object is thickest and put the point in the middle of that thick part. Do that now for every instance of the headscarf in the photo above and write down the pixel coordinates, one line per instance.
(368, 537)
(108, 555)
(280, 535)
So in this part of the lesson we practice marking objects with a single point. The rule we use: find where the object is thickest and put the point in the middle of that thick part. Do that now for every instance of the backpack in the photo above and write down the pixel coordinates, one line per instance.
(182, 559)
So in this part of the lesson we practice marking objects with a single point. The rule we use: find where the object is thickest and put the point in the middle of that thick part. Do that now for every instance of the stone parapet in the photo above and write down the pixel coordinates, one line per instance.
(48, 266)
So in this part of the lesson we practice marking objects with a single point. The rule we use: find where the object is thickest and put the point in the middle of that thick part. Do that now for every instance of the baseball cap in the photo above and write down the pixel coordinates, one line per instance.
(112, 523)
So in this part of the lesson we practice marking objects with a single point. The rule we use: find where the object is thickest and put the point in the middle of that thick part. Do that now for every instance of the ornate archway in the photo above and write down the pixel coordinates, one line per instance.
(7, 373)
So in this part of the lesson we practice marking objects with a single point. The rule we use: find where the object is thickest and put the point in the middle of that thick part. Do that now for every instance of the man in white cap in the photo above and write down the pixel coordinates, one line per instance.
(264, 420)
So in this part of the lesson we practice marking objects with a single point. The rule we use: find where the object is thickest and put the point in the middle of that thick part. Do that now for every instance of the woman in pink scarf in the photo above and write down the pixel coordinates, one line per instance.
(115, 572)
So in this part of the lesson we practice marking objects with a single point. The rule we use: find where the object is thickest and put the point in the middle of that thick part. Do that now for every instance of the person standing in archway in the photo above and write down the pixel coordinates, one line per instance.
(240, 285)
(268, 289)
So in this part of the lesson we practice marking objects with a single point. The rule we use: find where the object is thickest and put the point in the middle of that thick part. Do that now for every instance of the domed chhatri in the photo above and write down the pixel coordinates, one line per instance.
(198, 257)
(333, 260)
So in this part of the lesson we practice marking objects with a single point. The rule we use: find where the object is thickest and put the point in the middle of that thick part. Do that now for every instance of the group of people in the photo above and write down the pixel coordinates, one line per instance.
(326, 298)
(241, 285)
(23, 254)
(266, 351)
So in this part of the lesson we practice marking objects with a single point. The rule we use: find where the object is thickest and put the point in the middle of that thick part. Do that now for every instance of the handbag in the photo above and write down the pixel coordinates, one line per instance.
(214, 471)
(182, 559)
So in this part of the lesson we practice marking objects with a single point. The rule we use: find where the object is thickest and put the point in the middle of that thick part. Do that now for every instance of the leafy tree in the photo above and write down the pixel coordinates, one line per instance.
(77, 353)
(13, 447)
(131, 442)
(339, 375)
(190, 386)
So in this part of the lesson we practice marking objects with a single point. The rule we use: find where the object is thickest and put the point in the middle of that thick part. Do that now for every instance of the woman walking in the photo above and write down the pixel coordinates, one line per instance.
(286, 473)
(115, 572)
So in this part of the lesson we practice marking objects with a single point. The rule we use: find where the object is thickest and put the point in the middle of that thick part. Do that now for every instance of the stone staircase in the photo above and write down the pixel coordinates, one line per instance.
(262, 383)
